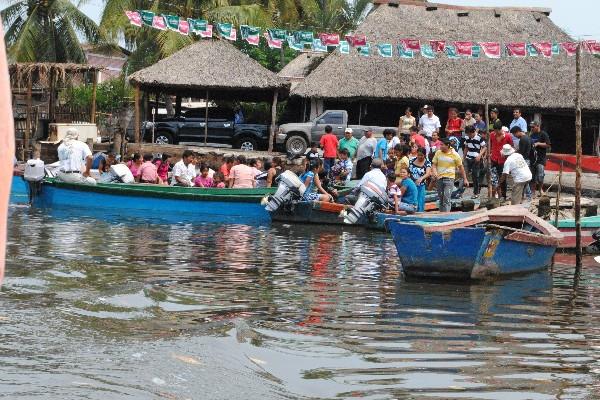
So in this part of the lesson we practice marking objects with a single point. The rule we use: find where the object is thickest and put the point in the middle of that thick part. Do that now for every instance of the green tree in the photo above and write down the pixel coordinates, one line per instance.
(46, 31)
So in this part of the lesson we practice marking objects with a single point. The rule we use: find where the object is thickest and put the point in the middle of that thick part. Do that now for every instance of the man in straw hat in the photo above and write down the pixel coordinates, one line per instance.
(516, 166)
(75, 159)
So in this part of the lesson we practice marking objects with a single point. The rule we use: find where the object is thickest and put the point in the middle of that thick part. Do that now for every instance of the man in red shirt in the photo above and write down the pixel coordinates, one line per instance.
(329, 144)
(454, 126)
(497, 140)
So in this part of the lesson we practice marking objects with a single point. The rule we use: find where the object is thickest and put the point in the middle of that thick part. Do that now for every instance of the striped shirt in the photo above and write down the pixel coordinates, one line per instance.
(474, 146)
(447, 163)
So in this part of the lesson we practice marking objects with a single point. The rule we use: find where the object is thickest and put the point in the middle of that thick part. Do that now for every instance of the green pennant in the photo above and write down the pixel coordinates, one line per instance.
(249, 31)
(172, 21)
(555, 48)
(147, 17)
(197, 25)
(403, 53)
(364, 50)
(224, 29)
(318, 46)
(304, 37)
(427, 51)
(476, 52)
(385, 50)
(451, 52)
(277, 34)
(344, 47)
(531, 50)
(293, 44)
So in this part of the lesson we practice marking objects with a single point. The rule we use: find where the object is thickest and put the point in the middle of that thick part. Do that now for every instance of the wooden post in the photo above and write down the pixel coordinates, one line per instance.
(178, 105)
(206, 118)
(578, 254)
(282, 55)
(28, 121)
(94, 88)
(51, 97)
(137, 114)
(488, 172)
(273, 120)
(560, 172)
(359, 112)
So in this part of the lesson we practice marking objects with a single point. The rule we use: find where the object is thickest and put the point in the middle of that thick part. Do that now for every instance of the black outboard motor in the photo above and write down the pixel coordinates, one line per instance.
(34, 175)
(290, 188)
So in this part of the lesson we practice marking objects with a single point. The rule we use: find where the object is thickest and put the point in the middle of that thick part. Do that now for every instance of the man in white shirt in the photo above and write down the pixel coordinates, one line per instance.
(184, 171)
(75, 160)
(364, 154)
(429, 122)
(519, 121)
(516, 166)
(375, 176)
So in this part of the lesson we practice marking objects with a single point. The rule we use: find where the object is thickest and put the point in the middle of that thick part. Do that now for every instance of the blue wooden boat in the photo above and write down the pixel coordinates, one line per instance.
(504, 241)
(157, 202)
(19, 190)
(377, 220)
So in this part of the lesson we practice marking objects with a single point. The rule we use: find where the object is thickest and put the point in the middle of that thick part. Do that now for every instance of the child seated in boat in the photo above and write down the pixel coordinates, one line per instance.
(313, 152)
(314, 190)
(134, 165)
(342, 169)
(393, 191)
(219, 180)
(162, 167)
(203, 180)
(148, 173)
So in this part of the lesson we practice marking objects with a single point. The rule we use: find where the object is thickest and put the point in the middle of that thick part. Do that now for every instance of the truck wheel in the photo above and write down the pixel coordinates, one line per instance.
(296, 145)
(248, 144)
(163, 138)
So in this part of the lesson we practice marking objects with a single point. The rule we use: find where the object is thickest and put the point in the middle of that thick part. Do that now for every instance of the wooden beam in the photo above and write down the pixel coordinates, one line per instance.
(578, 252)
(27, 133)
(488, 172)
(178, 105)
(206, 118)
(94, 89)
(273, 120)
(137, 114)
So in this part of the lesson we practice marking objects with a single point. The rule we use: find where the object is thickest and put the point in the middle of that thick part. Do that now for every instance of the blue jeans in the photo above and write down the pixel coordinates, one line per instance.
(327, 164)
(445, 186)
(421, 189)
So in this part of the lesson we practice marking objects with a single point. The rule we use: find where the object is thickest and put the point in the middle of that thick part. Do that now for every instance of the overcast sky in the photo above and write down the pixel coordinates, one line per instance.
(576, 17)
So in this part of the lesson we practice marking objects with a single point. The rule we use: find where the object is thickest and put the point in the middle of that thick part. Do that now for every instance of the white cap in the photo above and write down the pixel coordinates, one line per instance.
(348, 130)
(507, 150)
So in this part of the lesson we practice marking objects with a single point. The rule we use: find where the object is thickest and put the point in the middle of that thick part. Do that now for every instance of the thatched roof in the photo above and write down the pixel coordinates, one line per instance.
(533, 82)
(20, 73)
(297, 69)
(213, 65)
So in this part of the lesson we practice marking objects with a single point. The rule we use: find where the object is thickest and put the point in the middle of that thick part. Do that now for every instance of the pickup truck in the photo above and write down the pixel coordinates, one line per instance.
(189, 127)
(295, 138)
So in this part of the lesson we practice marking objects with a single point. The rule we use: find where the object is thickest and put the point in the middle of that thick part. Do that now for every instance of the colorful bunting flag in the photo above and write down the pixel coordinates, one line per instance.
(303, 37)
(476, 51)
(273, 43)
(356, 40)
(184, 27)
(134, 18)
(543, 48)
(403, 53)
(451, 52)
(531, 50)
(464, 49)
(516, 49)
(227, 31)
(427, 51)
(365, 50)
(293, 45)
(172, 22)
(491, 49)
(317, 45)
(330, 39)
(208, 32)
(555, 49)
(158, 22)
(570, 48)
(246, 30)
(411, 44)
(344, 47)
(438, 46)
(385, 50)
(147, 17)
(277, 34)
(197, 25)
(591, 46)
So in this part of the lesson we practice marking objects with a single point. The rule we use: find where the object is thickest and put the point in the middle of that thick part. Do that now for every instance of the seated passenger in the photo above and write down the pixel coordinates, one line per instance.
(241, 176)
(134, 165)
(408, 193)
(314, 191)
(184, 171)
(162, 166)
(219, 180)
(203, 180)
(148, 173)
(342, 169)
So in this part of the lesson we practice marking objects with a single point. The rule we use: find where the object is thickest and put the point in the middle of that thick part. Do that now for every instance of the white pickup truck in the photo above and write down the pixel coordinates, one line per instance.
(295, 138)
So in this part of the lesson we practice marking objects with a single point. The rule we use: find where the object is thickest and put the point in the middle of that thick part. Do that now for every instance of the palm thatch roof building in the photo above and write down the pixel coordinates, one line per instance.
(544, 87)
(211, 70)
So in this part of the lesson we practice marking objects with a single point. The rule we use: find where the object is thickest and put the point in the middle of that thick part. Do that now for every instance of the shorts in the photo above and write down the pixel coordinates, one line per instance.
(495, 174)
(314, 196)
(538, 173)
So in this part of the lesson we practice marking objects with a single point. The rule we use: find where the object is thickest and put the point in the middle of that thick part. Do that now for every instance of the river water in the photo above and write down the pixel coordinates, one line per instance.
(101, 309)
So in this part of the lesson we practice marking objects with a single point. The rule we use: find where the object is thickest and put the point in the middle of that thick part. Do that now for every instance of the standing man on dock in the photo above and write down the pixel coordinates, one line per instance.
(520, 122)
(74, 155)
(516, 166)
(364, 154)
(444, 166)
(540, 142)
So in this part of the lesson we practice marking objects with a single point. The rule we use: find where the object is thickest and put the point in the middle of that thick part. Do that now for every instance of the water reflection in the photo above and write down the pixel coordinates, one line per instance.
(105, 309)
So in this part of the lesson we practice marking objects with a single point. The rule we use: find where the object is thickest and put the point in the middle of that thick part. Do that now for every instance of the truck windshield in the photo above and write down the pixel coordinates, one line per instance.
(331, 118)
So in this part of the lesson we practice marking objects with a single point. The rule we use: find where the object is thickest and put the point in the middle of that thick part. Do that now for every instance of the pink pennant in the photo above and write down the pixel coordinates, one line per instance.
(438, 46)
(134, 18)
(491, 49)
(208, 32)
(357, 40)
(591, 46)
(570, 48)
(411, 44)
(273, 43)
(158, 22)
(184, 27)
(464, 48)
(253, 40)
(330, 39)
(517, 49)
(544, 48)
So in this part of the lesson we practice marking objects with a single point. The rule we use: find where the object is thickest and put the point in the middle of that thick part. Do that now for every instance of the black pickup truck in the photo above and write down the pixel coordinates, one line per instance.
(189, 128)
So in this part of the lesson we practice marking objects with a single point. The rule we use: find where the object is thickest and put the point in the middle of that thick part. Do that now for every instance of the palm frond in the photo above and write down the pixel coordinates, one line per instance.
(80, 22)
(12, 12)
(26, 43)
(250, 14)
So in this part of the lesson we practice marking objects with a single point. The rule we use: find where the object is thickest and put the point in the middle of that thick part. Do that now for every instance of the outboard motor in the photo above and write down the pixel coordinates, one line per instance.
(34, 174)
(290, 188)
(371, 197)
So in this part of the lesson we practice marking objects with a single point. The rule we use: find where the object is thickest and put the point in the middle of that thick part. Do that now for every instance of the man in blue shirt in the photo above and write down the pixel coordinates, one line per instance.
(519, 121)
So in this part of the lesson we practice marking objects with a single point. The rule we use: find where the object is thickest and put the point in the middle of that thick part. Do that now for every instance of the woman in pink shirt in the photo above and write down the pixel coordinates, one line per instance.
(148, 171)
(203, 180)
(134, 165)
(241, 176)
(162, 167)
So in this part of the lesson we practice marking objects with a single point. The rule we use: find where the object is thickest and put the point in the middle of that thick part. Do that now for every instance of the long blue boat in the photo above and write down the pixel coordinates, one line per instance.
(156, 202)
(504, 241)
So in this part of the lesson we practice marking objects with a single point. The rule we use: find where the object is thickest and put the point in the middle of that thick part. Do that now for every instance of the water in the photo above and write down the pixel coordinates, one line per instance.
(95, 309)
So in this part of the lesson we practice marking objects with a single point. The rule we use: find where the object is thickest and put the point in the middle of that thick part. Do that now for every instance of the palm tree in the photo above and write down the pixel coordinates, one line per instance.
(47, 31)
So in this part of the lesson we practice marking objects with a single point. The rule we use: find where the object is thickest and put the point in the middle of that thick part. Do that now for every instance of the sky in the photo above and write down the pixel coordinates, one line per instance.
(576, 17)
